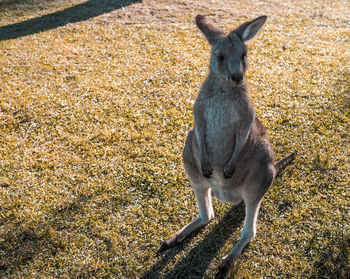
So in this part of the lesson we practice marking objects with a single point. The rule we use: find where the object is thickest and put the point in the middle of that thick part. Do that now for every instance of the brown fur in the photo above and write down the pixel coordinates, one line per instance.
(228, 151)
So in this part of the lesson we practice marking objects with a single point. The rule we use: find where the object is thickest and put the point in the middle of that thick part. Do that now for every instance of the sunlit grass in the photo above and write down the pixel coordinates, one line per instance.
(93, 118)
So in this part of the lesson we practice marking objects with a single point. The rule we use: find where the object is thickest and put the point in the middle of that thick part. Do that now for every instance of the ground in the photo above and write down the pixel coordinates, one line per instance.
(95, 103)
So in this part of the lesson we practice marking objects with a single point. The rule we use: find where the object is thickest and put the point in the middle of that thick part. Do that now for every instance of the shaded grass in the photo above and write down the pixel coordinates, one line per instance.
(93, 117)
(80, 12)
(203, 251)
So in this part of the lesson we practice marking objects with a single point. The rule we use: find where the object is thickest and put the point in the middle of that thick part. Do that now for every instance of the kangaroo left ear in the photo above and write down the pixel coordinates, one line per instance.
(211, 32)
(249, 29)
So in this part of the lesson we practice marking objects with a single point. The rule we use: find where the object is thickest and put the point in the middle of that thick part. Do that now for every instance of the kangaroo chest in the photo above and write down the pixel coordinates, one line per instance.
(221, 120)
(221, 112)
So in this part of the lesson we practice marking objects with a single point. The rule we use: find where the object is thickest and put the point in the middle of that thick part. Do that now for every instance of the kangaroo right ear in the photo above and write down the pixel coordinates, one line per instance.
(249, 29)
(211, 32)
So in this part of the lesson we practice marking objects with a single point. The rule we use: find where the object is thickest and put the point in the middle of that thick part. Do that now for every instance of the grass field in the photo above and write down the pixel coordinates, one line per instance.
(95, 103)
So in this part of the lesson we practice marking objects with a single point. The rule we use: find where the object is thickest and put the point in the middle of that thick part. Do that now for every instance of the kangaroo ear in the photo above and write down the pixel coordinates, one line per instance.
(249, 29)
(211, 32)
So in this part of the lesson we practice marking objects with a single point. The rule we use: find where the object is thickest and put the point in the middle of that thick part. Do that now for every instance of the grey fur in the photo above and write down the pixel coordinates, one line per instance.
(228, 151)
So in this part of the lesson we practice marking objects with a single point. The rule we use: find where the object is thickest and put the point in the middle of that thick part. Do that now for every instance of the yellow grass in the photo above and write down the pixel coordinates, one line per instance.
(93, 117)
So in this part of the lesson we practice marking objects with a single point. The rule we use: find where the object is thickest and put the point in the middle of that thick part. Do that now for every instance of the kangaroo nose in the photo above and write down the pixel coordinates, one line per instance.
(236, 78)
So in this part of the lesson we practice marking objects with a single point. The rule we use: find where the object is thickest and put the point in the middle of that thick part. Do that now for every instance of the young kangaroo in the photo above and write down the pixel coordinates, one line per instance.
(228, 151)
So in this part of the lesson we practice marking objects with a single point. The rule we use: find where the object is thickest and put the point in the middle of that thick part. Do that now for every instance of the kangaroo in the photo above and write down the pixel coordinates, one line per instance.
(228, 151)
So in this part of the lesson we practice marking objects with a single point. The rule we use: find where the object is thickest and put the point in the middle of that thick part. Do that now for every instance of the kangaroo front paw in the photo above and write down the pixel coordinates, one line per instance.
(228, 172)
(207, 170)
(207, 173)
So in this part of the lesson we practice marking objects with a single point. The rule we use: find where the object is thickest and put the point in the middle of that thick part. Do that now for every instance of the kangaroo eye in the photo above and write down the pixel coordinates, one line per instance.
(220, 57)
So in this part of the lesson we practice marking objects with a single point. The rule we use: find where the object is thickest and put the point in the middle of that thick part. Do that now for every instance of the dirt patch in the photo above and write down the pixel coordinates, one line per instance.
(173, 12)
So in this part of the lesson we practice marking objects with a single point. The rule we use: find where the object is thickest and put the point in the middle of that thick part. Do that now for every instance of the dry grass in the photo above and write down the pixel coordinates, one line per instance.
(93, 116)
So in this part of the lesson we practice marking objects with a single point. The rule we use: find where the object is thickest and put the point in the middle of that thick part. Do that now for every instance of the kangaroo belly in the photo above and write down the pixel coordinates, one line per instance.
(219, 149)
(225, 190)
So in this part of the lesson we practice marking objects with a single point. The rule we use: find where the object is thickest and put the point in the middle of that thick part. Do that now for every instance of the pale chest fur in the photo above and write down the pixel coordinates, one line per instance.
(221, 118)
(221, 113)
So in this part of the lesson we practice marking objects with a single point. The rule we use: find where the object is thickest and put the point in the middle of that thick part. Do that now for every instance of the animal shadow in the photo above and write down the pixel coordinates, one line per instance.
(197, 261)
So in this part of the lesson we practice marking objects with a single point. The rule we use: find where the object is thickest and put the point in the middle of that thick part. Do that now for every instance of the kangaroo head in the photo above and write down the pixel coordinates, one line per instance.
(229, 53)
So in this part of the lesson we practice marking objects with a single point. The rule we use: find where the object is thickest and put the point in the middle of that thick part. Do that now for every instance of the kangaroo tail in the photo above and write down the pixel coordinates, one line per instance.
(281, 165)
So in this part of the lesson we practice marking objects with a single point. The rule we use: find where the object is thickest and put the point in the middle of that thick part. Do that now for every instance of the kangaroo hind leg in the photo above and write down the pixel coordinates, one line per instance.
(203, 194)
(206, 213)
(253, 194)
